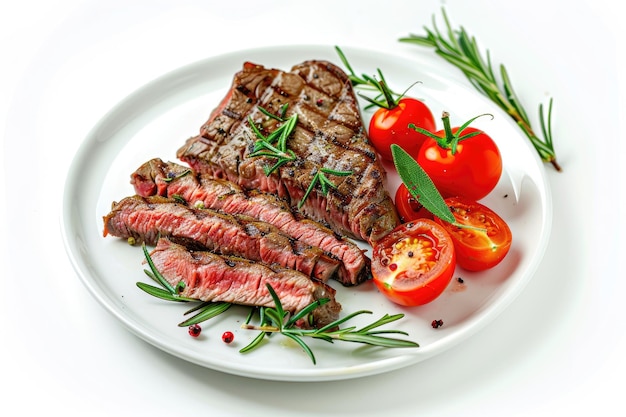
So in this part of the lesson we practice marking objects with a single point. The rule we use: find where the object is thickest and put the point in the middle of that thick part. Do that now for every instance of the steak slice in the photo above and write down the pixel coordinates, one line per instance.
(329, 137)
(211, 277)
(169, 179)
(145, 219)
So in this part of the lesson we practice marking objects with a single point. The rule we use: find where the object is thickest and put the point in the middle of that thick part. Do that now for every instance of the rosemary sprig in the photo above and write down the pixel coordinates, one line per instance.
(385, 98)
(461, 50)
(264, 146)
(320, 177)
(277, 320)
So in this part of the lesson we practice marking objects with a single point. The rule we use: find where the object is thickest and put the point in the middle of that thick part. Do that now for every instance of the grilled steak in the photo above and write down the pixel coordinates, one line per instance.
(156, 177)
(147, 218)
(329, 137)
(211, 277)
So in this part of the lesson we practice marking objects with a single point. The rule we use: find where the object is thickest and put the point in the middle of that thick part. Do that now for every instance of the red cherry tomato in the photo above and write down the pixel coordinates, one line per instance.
(389, 126)
(477, 250)
(408, 207)
(414, 263)
(470, 168)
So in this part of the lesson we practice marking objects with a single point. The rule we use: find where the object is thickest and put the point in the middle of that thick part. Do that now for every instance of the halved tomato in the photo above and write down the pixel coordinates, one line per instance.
(414, 263)
(408, 206)
(485, 242)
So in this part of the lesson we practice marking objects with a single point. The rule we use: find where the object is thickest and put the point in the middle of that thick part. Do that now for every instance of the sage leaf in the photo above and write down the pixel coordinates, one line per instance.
(420, 185)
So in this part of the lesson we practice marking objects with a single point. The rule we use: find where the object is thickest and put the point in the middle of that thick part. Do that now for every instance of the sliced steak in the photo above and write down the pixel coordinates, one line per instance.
(329, 136)
(145, 219)
(169, 179)
(211, 277)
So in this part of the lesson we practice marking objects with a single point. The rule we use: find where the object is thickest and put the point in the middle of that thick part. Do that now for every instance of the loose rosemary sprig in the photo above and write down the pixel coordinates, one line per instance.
(320, 177)
(277, 320)
(461, 50)
(264, 146)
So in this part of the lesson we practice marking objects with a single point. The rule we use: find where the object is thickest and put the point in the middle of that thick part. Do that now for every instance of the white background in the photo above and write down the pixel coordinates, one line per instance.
(559, 349)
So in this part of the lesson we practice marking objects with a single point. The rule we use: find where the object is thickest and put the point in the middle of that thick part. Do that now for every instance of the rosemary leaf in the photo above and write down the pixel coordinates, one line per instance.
(382, 321)
(156, 273)
(306, 311)
(161, 293)
(254, 344)
(376, 340)
(277, 313)
(303, 345)
(324, 182)
(208, 311)
(342, 320)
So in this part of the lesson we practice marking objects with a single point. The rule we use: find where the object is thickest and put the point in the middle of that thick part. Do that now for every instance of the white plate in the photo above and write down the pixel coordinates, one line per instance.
(155, 120)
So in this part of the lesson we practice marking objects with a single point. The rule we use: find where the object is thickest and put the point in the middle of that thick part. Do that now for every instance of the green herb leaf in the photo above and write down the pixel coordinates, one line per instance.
(207, 311)
(161, 293)
(323, 181)
(155, 273)
(386, 98)
(461, 50)
(264, 145)
(420, 185)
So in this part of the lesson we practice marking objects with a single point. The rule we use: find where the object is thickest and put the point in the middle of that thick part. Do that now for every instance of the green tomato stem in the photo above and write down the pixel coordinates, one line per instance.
(450, 140)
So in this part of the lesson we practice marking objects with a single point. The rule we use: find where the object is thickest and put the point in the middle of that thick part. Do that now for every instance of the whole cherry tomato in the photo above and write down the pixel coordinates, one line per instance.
(461, 161)
(414, 263)
(408, 207)
(485, 242)
(390, 125)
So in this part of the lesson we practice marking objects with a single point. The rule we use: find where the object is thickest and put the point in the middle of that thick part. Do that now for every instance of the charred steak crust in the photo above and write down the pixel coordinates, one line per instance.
(169, 179)
(329, 134)
(145, 219)
(211, 277)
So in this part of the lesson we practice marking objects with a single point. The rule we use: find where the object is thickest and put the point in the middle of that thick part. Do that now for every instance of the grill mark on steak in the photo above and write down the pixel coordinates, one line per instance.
(211, 277)
(147, 218)
(329, 134)
(168, 179)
